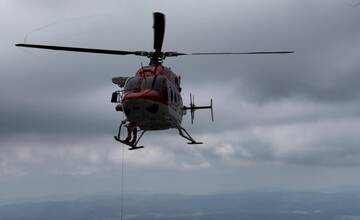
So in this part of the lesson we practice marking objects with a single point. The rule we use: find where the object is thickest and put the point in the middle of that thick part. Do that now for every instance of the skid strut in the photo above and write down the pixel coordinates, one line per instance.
(183, 133)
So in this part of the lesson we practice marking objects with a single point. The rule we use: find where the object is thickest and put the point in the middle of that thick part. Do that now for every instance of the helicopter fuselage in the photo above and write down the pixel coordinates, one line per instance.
(152, 98)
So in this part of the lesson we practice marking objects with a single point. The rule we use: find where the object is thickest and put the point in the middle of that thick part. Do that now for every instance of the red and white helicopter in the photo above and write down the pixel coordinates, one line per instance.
(151, 100)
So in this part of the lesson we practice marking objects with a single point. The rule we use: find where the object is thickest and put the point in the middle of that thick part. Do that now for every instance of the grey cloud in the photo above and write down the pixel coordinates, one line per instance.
(60, 96)
(323, 142)
(324, 39)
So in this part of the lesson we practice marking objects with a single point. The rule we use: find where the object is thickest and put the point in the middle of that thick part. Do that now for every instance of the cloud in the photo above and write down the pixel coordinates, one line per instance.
(294, 112)
(319, 143)
(323, 143)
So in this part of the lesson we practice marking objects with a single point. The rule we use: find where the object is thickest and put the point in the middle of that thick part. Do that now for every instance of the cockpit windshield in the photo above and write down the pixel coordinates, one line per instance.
(148, 82)
(159, 83)
(133, 83)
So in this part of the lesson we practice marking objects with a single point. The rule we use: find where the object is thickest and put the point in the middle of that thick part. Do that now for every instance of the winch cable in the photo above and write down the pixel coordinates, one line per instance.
(122, 183)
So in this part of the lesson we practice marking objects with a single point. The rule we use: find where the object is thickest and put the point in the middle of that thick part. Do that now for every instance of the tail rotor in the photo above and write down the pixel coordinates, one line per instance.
(193, 108)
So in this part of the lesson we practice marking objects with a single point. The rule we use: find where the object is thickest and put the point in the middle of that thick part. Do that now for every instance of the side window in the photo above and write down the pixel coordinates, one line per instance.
(171, 94)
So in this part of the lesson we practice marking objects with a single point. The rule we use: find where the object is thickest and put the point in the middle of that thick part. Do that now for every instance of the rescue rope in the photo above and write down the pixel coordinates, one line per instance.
(122, 183)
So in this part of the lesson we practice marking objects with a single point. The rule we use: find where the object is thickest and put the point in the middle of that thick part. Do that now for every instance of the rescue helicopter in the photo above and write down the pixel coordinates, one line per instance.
(151, 100)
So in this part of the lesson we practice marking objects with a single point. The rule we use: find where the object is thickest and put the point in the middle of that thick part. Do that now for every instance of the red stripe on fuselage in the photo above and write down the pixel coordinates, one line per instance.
(145, 94)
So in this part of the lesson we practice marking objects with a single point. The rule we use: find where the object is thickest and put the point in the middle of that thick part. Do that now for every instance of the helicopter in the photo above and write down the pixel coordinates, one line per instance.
(151, 100)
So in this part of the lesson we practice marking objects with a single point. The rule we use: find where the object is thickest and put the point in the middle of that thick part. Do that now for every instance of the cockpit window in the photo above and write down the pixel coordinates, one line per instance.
(159, 82)
(133, 83)
(148, 82)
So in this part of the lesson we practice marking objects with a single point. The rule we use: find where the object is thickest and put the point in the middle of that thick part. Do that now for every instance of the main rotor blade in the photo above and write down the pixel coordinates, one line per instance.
(159, 31)
(78, 49)
(245, 53)
(175, 54)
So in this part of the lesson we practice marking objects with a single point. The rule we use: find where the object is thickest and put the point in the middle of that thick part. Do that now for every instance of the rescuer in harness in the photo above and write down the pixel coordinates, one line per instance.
(131, 128)
(132, 133)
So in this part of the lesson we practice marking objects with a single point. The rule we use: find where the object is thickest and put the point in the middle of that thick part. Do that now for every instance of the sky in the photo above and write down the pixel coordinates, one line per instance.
(282, 122)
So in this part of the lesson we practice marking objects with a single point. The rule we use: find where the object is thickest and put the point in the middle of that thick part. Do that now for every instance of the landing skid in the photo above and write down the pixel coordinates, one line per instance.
(131, 146)
(183, 133)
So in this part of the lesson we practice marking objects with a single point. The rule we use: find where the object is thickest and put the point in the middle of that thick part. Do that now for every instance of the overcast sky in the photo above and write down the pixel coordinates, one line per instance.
(287, 122)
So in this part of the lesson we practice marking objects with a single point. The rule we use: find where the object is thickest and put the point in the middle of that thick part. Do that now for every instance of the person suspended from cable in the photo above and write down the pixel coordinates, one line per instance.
(132, 133)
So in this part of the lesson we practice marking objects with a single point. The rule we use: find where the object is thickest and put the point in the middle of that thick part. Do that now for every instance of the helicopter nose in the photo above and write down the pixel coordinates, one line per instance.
(136, 103)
